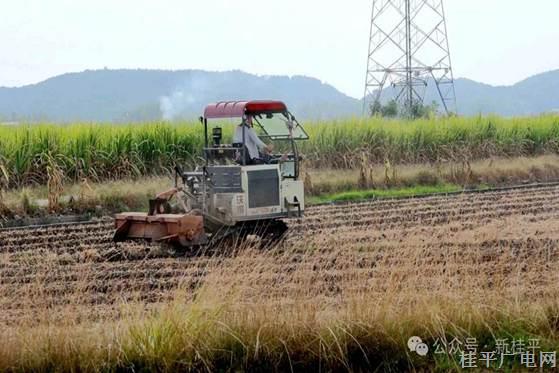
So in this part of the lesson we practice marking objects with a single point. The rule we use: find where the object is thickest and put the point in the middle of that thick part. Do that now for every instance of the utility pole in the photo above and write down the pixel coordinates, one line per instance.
(408, 53)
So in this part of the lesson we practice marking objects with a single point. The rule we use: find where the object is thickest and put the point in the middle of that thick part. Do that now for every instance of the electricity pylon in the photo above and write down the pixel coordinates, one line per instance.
(408, 51)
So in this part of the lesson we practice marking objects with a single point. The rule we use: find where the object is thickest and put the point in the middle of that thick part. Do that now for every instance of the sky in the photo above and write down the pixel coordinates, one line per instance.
(498, 42)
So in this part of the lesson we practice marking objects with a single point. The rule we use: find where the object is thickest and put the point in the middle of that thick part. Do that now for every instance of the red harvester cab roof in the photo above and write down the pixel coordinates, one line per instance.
(236, 109)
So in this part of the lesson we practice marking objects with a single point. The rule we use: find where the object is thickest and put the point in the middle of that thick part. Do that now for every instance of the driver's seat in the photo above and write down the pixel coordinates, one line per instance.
(239, 153)
(248, 161)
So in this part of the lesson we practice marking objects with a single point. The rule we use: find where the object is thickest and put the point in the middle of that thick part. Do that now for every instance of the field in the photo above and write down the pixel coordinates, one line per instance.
(345, 290)
(92, 168)
(39, 154)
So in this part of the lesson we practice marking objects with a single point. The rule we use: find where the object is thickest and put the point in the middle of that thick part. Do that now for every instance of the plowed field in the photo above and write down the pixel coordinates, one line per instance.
(501, 243)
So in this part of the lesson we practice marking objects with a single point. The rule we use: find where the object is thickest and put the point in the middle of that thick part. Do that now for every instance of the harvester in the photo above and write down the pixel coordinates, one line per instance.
(231, 194)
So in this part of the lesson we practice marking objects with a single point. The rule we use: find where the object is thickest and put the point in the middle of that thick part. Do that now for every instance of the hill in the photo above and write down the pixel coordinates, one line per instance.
(135, 95)
(535, 95)
(123, 95)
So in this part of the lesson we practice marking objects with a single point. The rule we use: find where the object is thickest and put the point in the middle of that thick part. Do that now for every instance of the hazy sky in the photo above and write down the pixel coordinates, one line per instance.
(493, 41)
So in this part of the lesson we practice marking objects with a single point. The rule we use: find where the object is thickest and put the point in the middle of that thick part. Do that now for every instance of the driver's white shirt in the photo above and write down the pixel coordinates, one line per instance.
(252, 142)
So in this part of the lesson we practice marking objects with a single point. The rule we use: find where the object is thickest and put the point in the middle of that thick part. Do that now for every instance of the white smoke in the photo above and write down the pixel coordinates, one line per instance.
(174, 105)
(187, 96)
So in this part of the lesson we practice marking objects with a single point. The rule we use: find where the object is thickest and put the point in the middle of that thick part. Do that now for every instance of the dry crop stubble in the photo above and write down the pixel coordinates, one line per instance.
(350, 283)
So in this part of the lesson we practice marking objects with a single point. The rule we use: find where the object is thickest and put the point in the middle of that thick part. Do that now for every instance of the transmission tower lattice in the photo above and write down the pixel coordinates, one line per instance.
(408, 51)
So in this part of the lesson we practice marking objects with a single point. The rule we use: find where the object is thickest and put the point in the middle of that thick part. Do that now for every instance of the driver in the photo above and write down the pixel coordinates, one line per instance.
(252, 141)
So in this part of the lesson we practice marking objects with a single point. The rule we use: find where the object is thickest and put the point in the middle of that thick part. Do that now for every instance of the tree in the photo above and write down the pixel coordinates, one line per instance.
(393, 109)
(419, 110)
(390, 110)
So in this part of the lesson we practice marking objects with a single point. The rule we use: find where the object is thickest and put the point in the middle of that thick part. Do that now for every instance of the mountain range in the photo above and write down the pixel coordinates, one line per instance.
(139, 95)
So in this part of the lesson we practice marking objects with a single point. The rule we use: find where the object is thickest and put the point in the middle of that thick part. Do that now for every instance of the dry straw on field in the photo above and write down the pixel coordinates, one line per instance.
(347, 288)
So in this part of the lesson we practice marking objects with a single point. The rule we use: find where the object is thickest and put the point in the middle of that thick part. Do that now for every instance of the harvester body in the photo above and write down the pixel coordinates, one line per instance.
(230, 194)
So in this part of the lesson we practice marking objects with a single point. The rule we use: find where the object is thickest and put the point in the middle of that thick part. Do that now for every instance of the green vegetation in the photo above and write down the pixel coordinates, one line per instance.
(343, 143)
(108, 152)
(393, 109)
(95, 151)
(358, 195)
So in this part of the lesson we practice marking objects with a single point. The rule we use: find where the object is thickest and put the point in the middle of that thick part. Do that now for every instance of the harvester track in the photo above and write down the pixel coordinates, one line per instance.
(336, 249)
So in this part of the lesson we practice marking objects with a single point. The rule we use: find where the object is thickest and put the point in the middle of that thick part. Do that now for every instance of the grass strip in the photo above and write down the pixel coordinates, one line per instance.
(356, 195)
